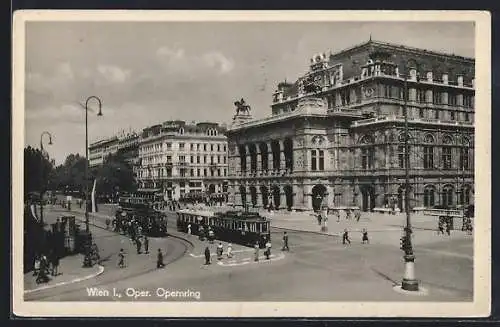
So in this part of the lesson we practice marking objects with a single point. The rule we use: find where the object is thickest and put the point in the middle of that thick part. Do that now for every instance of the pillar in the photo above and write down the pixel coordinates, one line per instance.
(282, 198)
(269, 157)
(248, 158)
(259, 160)
(308, 195)
(331, 196)
(282, 155)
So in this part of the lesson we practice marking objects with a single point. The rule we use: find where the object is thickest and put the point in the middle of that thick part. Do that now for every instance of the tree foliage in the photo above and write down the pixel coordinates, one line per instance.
(70, 176)
(37, 170)
(115, 175)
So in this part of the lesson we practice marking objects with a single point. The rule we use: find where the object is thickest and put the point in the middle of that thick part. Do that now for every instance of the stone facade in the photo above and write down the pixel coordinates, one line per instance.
(176, 158)
(341, 144)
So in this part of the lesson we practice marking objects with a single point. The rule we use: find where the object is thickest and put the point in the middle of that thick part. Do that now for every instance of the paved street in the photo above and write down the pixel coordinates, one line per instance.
(317, 268)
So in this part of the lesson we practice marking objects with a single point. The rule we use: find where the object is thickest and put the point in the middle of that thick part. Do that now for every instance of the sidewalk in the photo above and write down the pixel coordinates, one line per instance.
(70, 271)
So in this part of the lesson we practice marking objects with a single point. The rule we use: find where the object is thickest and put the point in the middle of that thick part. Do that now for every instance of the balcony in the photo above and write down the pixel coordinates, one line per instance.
(400, 119)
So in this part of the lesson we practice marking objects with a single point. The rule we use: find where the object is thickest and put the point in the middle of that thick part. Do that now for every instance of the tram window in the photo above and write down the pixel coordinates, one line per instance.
(264, 227)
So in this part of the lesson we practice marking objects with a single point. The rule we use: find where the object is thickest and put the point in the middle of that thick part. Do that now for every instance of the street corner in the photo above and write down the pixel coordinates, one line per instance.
(62, 279)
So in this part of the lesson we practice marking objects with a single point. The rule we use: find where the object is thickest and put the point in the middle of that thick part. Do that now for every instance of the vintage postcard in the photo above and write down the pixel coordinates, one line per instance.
(251, 164)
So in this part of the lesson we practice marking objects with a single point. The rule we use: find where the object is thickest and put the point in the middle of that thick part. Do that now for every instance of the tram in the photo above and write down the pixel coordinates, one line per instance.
(454, 217)
(153, 222)
(245, 228)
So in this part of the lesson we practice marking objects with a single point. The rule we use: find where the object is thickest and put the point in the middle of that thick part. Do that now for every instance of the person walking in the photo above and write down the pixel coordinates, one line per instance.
(364, 238)
(220, 251)
(229, 250)
(121, 259)
(138, 245)
(207, 255)
(159, 260)
(256, 251)
(146, 244)
(345, 237)
(268, 249)
(448, 228)
(54, 263)
(285, 242)
(189, 229)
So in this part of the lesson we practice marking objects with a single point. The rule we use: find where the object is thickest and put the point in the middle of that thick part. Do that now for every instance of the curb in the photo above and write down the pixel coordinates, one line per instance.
(76, 280)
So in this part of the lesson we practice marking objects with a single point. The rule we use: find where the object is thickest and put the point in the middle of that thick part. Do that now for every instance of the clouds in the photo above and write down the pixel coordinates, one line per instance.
(178, 60)
(110, 74)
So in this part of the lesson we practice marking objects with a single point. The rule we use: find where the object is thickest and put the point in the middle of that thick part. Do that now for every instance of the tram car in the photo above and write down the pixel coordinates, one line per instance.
(153, 222)
(245, 228)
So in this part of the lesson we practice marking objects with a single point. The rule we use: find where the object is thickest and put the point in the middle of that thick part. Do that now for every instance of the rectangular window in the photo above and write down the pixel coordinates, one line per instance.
(204, 159)
(218, 172)
(446, 157)
(192, 159)
(218, 147)
(468, 101)
(436, 114)
(197, 159)
(198, 147)
(313, 160)
(192, 172)
(181, 146)
(224, 148)
(428, 157)
(452, 99)
(182, 159)
(466, 116)
(421, 96)
(436, 97)
(421, 112)
(224, 159)
(211, 147)
(205, 172)
(169, 146)
(192, 147)
(218, 159)
(452, 115)
(198, 172)
(321, 160)
(225, 172)
(204, 147)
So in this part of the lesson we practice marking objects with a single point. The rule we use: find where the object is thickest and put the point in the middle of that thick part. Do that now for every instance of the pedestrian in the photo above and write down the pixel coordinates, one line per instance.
(138, 245)
(345, 237)
(207, 255)
(285, 242)
(256, 251)
(121, 259)
(146, 244)
(229, 250)
(337, 213)
(358, 215)
(42, 276)
(189, 230)
(55, 264)
(268, 249)
(36, 267)
(440, 228)
(365, 237)
(211, 236)
(108, 222)
(448, 228)
(220, 251)
(159, 261)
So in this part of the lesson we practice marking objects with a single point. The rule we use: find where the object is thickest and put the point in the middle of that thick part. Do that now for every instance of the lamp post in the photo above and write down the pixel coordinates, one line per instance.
(409, 282)
(42, 183)
(99, 113)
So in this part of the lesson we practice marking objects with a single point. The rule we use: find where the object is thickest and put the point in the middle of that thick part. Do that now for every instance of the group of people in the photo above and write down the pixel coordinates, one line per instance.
(44, 267)
(159, 256)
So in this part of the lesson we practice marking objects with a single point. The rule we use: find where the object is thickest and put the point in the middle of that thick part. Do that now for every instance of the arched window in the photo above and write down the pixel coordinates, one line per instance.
(446, 155)
(428, 152)
(447, 196)
(464, 197)
(429, 196)
(181, 130)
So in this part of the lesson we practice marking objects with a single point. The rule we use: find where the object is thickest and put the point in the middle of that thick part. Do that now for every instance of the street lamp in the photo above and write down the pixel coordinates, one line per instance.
(42, 183)
(409, 282)
(99, 113)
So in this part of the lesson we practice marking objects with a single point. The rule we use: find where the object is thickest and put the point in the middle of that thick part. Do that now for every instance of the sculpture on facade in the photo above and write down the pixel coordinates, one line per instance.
(242, 107)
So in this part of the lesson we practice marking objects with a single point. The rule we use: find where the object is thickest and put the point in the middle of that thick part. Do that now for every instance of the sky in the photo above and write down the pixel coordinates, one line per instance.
(148, 72)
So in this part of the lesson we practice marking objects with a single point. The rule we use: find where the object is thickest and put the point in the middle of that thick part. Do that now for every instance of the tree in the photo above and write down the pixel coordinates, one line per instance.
(115, 175)
(37, 170)
(70, 175)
